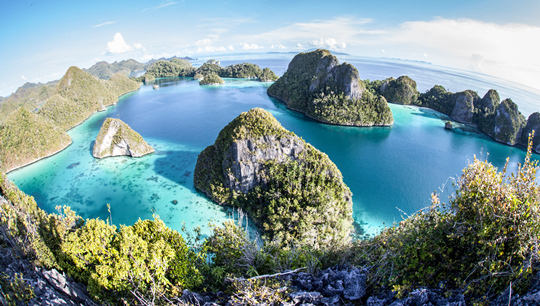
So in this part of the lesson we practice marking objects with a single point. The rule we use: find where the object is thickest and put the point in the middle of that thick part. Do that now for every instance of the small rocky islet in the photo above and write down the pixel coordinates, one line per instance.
(116, 138)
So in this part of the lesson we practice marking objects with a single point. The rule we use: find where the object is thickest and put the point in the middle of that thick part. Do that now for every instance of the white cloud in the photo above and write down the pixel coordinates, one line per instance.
(103, 24)
(246, 46)
(162, 5)
(340, 29)
(208, 49)
(203, 42)
(425, 55)
(138, 46)
(328, 43)
(23, 77)
(118, 45)
(278, 46)
(507, 51)
(299, 46)
(222, 25)
(382, 50)
(230, 47)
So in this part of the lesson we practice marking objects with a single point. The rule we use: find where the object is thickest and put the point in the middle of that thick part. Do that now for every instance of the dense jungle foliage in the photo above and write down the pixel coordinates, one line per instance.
(26, 137)
(211, 79)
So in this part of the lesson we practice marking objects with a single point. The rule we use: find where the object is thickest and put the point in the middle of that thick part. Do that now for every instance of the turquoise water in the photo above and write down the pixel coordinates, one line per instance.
(391, 171)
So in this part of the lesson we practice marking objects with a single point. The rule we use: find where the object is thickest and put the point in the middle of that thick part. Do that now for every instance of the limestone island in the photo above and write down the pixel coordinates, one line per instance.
(318, 86)
(179, 67)
(116, 138)
(293, 192)
(502, 121)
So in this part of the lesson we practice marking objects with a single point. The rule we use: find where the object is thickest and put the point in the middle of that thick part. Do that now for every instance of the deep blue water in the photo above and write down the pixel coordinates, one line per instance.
(390, 170)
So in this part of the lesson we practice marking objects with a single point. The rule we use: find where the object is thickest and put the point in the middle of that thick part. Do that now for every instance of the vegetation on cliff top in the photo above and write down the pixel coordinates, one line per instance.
(302, 201)
(500, 120)
(174, 67)
(317, 85)
(26, 137)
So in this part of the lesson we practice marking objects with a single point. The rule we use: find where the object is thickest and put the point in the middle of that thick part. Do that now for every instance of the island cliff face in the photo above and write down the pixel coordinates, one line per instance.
(116, 138)
(506, 124)
(500, 120)
(317, 85)
(292, 191)
(533, 124)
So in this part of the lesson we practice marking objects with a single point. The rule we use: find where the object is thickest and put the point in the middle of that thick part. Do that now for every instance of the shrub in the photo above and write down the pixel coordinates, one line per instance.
(483, 240)
(145, 261)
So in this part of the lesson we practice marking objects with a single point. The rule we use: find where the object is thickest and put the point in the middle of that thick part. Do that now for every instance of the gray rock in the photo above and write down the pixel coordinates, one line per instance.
(75, 291)
(506, 124)
(247, 157)
(194, 298)
(306, 297)
(374, 301)
(533, 124)
(464, 108)
(354, 285)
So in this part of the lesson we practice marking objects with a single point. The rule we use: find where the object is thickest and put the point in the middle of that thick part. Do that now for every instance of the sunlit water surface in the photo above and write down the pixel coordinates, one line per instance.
(391, 170)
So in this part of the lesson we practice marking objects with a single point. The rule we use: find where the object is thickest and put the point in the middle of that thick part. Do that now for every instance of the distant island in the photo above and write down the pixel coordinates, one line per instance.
(178, 67)
(502, 121)
(318, 86)
(103, 70)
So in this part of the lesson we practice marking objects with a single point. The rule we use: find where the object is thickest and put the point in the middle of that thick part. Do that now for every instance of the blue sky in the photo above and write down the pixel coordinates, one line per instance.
(41, 39)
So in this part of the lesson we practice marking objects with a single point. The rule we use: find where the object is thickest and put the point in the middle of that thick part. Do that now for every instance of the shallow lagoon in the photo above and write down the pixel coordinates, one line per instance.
(391, 171)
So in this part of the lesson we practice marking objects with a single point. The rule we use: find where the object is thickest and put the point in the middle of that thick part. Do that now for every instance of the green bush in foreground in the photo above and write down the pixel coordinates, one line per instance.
(483, 240)
(143, 260)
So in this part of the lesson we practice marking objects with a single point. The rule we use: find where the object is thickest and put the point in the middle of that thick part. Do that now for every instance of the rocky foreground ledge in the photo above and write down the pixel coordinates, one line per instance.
(116, 138)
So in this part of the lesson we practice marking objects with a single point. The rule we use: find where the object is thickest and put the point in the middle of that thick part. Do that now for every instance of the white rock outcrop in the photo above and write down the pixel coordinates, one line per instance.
(116, 138)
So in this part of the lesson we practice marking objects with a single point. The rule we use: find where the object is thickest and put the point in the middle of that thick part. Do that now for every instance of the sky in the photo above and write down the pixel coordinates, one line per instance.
(40, 40)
